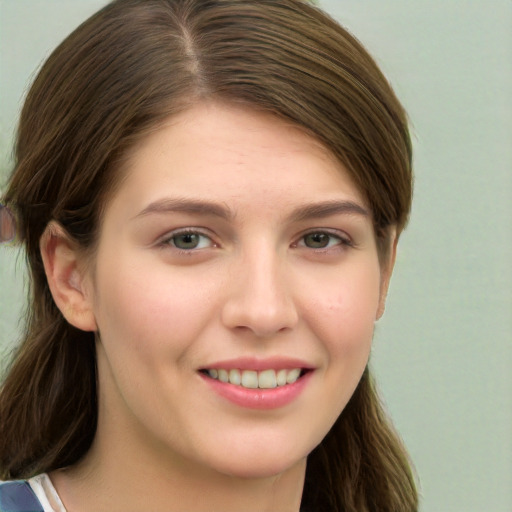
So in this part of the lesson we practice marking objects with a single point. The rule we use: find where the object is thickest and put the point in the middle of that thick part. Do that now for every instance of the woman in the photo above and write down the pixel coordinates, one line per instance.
(210, 194)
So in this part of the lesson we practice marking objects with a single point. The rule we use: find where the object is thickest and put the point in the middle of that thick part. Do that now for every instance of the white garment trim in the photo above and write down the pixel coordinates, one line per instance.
(46, 493)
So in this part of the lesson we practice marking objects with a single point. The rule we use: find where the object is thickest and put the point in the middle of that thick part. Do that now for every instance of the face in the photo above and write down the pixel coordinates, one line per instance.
(235, 290)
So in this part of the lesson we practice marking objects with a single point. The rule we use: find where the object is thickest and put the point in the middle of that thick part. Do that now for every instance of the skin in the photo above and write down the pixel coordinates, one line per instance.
(255, 285)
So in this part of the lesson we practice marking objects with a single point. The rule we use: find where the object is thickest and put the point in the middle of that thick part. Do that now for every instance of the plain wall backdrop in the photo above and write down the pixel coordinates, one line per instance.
(443, 351)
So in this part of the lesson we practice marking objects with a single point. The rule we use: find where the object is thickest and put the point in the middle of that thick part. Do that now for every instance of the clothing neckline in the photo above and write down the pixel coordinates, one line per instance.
(46, 493)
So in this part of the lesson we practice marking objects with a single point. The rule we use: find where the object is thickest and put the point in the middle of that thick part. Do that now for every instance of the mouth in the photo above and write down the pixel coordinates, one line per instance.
(254, 379)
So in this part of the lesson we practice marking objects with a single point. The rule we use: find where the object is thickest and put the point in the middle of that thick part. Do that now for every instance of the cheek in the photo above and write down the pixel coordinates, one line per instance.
(151, 309)
(344, 313)
(343, 320)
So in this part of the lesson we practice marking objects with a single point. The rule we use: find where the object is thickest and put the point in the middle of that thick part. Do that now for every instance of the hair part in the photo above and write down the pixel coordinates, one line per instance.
(115, 79)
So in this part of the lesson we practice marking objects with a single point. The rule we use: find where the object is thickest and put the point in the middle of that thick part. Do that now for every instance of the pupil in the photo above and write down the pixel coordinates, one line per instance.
(187, 241)
(317, 240)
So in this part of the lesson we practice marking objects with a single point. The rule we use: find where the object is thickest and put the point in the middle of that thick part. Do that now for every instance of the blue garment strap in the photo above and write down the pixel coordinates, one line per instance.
(18, 496)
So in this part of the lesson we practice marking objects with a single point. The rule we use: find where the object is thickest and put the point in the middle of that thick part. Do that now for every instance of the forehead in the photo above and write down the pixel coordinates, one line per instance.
(229, 153)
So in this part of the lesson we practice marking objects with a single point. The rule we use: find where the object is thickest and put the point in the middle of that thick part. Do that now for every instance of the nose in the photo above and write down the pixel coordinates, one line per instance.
(259, 296)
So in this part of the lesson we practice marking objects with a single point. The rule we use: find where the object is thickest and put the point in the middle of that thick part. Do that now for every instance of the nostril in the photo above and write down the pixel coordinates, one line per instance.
(259, 302)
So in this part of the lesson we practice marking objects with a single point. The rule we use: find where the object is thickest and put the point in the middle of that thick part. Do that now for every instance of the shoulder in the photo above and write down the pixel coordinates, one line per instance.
(18, 496)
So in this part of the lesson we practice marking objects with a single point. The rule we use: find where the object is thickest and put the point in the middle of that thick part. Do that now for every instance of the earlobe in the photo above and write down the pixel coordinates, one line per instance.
(386, 271)
(65, 278)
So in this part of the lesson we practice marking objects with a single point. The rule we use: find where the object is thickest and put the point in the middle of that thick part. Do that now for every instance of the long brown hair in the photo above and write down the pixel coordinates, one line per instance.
(121, 73)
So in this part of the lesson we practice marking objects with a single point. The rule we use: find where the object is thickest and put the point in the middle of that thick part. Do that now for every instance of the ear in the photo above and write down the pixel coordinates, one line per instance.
(387, 266)
(66, 278)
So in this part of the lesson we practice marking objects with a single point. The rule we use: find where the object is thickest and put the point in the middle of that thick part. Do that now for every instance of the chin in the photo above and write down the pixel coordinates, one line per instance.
(265, 464)
(261, 469)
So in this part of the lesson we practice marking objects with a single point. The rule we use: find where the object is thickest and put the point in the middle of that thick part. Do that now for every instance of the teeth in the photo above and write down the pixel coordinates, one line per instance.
(281, 377)
(266, 379)
(292, 376)
(234, 377)
(249, 379)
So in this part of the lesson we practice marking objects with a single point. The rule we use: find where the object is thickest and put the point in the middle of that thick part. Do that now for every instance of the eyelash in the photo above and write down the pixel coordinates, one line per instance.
(169, 240)
(341, 241)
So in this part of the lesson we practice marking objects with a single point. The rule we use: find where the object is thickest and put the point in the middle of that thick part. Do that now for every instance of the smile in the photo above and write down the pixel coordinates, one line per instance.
(252, 379)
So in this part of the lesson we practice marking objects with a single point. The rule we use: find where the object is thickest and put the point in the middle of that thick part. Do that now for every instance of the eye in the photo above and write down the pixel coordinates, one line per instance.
(322, 240)
(189, 240)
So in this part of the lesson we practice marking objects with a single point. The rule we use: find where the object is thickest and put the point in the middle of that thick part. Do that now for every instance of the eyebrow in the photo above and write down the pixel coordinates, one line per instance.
(185, 205)
(202, 207)
(328, 208)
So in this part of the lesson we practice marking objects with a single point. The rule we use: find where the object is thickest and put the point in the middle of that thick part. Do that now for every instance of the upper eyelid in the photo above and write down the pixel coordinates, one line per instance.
(203, 231)
(342, 235)
(189, 229)
(184, 231)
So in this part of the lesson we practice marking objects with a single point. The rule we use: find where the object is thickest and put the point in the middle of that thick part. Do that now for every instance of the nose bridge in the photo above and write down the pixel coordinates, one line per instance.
(260, 297)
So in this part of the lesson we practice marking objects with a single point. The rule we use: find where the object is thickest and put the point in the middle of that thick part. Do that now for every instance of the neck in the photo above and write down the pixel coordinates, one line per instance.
(118, 479)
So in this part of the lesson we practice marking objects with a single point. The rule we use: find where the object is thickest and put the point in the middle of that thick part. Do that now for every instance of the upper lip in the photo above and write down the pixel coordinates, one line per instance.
(253, 363)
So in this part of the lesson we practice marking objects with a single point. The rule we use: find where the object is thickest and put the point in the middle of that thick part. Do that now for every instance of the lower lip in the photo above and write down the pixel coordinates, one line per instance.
(259, 398)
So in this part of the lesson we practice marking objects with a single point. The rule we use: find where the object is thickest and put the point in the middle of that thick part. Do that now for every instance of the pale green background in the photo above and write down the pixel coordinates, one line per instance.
(443, 352)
